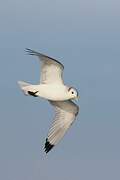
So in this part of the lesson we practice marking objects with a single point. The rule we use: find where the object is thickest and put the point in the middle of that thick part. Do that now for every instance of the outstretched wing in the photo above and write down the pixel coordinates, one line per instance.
(65, 114)
(51, 69)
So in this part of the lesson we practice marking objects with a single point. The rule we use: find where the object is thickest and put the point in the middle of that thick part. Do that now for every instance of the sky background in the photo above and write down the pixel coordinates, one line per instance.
(85, 36)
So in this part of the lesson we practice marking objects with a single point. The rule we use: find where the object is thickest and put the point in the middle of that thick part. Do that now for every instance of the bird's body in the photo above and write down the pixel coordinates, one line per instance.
(55, 93)
(52, 88)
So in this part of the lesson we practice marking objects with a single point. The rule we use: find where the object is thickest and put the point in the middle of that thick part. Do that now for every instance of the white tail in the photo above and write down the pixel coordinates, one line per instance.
(23, 85)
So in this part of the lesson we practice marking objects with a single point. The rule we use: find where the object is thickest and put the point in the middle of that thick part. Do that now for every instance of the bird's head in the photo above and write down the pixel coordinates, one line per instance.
(73, 93)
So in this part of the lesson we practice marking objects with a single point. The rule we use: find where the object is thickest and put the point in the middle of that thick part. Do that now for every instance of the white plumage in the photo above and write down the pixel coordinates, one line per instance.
(52, 88)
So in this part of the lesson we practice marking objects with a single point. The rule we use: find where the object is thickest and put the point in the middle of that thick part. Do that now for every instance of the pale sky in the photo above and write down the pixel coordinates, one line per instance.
(84, 36)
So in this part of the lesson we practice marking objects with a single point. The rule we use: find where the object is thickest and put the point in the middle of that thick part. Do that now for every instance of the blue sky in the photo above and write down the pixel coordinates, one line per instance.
(85, 36)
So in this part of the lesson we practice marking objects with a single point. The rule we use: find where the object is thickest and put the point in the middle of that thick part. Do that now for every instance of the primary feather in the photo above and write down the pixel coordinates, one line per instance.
(65, 114)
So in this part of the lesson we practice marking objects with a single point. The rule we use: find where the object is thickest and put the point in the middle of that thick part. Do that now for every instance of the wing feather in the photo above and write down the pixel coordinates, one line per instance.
(65, 114)
(51, 69)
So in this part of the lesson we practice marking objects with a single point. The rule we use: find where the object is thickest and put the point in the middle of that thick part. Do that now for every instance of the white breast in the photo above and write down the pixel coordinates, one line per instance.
(53, 92)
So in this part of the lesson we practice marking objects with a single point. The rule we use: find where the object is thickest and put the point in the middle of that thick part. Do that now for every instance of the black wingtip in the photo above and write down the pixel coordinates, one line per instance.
(48, 146)
(33, 93)
(29, 51)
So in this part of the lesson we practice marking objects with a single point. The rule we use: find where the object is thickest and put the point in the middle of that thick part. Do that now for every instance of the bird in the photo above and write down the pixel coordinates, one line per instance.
(52, 88)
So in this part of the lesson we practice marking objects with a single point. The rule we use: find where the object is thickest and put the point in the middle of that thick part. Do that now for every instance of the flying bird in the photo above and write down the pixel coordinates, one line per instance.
(52, 88)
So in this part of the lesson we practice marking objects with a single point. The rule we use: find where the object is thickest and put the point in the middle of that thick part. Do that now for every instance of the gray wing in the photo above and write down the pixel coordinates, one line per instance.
(51, 69)
(65, 114)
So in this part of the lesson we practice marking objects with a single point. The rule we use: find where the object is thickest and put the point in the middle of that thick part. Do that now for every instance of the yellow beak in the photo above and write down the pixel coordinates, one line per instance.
(77, 98)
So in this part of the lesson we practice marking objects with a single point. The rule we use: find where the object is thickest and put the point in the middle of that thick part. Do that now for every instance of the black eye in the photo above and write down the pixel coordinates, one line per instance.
(72, 92)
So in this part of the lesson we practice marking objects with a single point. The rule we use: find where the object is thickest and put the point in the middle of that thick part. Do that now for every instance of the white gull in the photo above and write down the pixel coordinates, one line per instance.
(52, 88)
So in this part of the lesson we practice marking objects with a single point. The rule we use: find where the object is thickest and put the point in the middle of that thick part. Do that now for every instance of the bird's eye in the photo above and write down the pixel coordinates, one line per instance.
(72, 92)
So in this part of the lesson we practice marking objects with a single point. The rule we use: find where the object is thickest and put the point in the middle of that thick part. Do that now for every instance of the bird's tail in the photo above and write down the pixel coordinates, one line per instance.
(29, 89)
(24, 86)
